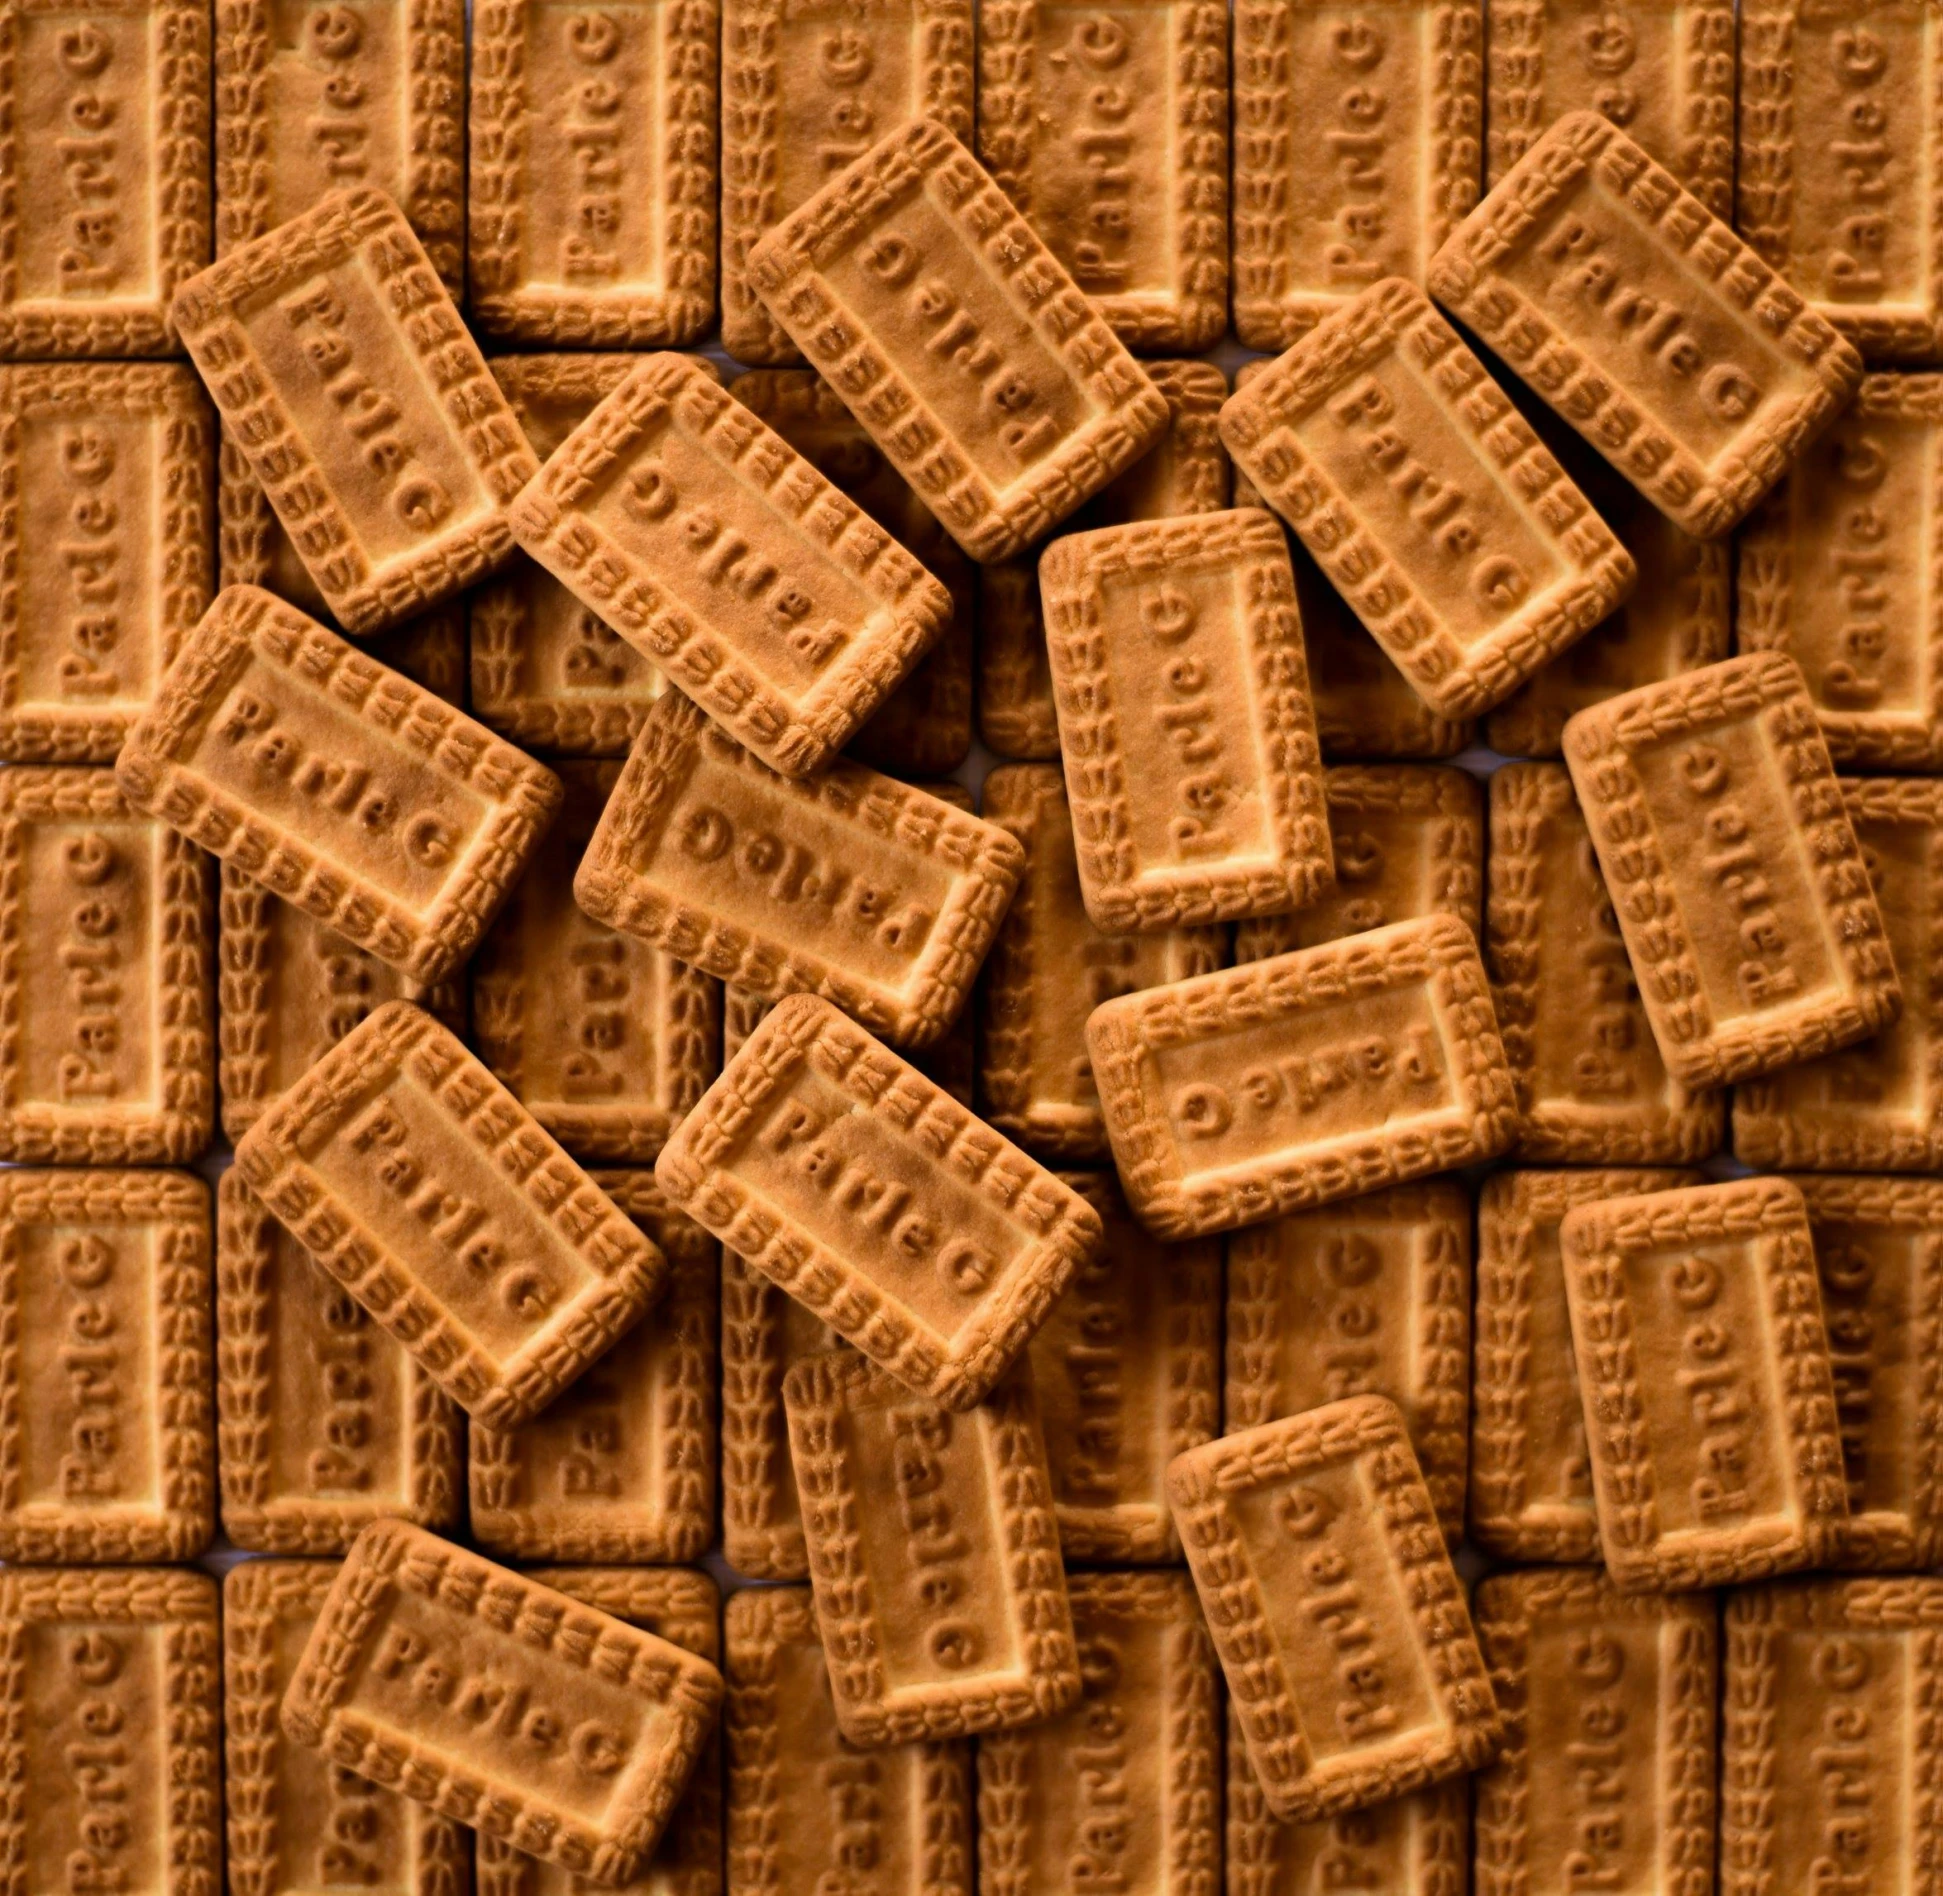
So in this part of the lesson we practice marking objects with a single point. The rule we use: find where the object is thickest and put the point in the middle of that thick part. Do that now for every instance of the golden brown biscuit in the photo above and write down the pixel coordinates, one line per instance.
(1702, 409)
(934, 1554)
(1340, 1624)
(1703, 1371)
(1369, 1297)
(622, 1466)
(1356, 151)
(1607, 1774)
(325, 1422)
(107, 1441)
(107, 992)
(1733, 870)
(499, 1701)
(988, 379)
(592, 173)
(1240, 1096)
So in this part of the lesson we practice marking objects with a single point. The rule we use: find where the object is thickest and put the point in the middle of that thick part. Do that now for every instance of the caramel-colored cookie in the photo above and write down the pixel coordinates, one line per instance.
(418, 1182)
(934, 1554)
(107, 989)
(1370, 1297)
(850, 885)
(1876, 1106)
(1606, 1779)
(988, 379)
(107, 1443)
(806, 89)
(1407, 840)
(1110, 133)
(338, 784)
(1122, 1790)
(1184, 721)
(877, 1201)
(1339, 1621)
(1703, 407)
(807, 1809)
(1733, 870)
(1531, 1472)
(723, 556)
(605, 1040)
(297, 1821)
(1127, 1373)
(112, 1706)
(1356, 151)
(107, 209)
(1592, 1085)
(1469, 595)
(1703, 1371)
(363, 406)
(1239, 1096)
(592, 173)
(622, 1466)
(501, 1702)
(326, 1424)
(107, 496)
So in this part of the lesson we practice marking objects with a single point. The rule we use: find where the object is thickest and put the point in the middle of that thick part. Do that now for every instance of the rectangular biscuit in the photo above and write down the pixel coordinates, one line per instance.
(111, 1707)
(1338, 1619)
(325, 1423)
(1645, 322)
(621, 1467)
(107, 499)
(1318, 1075)
(871, 1196)
(804, 1804)
(1592, 1084)
(417, 1181)
(1468, 594)
(107, 1443)
(107, 992)
(1744, 902)
(849, 885)
(298, 1822)
(990, 382)
(1703, 1370)
(934, 1554)
(1607, 1774)
(591, 172)
(1184, 720)
(339, 784)
(1356, 150)
(1122, 1790)
(1531, 1471)
(493, 1698)
(1369, 1297)
(344, 374)
(107, 110)
(725, 558)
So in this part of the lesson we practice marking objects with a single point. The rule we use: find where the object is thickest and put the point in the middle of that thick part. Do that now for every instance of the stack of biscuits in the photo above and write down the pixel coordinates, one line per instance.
(1051, 895)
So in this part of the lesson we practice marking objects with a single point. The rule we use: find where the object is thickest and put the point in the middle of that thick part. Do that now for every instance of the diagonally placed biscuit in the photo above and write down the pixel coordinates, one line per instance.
(1645, 322)
(1338, 1619)
(1733, 870)
(721, 554)
(501, 1702)
(417, 1181)
(869, 892)
(346, 377)
(878, 1202)
(990, 381)
(337, 783)
(934, 1555)
(1318, 1075)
